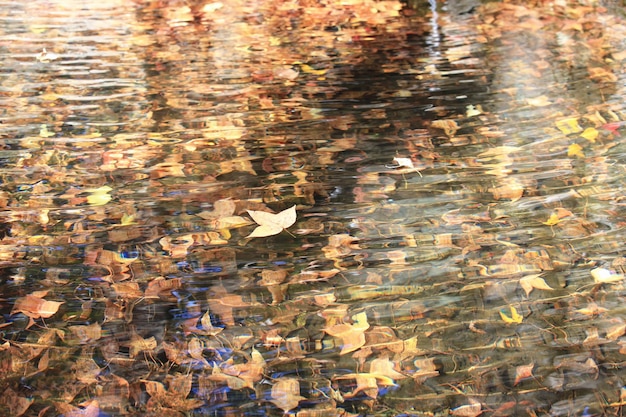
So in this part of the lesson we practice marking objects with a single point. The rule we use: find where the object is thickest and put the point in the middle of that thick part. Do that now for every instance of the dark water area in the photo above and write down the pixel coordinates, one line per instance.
(457, 172)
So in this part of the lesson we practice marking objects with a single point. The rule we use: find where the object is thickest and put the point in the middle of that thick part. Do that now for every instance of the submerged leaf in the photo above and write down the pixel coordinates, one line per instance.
(590, 134)
(515, 316)
(531, 282)
(36, 307)
(352, 335)
(552, 220)
(99, 196)
(523, 372)
(472, 409)
(286, 394)
(569, 125)
(575, 150)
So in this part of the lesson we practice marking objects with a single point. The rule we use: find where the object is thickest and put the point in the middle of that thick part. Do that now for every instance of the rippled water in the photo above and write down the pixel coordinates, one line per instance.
(457, 173)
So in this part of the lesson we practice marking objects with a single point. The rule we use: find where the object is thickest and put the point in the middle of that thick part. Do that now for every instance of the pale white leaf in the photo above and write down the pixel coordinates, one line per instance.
(272, 223)
(604, 276)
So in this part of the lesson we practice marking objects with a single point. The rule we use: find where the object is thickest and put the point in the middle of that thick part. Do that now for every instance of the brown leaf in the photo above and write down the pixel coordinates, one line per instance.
(161, 287)
(272, 276)
(127, 290)
(15, 404)
(233, 382)
(87, 334)
(139, 344)
(449, 126)
(35, 307)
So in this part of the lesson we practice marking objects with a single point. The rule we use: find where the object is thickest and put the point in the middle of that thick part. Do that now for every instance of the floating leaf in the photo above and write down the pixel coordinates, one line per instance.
(272, 224)
(533, 282)
(87, 334)
(449, 126)
(367, 383)
(515, 316)
(127, 219)
(310, 70)
(139, 344)
(406, 163)
(540, 101)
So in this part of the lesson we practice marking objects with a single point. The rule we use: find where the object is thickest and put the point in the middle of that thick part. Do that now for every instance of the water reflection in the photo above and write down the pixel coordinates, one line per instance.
(457, 173)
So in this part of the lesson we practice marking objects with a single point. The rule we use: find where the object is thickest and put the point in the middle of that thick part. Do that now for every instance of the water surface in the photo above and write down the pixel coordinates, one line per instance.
(457, 172)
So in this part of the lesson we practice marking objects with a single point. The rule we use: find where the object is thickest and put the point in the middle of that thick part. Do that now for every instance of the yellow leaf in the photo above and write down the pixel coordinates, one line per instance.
(569, 125)
(515, 316)
(310, 70)
(127, 220)
(99, 196)
(590, 134)
(554, 219)
(272, 224)
(575, 150)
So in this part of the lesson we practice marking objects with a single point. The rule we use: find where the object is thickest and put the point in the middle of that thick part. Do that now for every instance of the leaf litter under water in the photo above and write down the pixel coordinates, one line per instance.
(375, 306)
